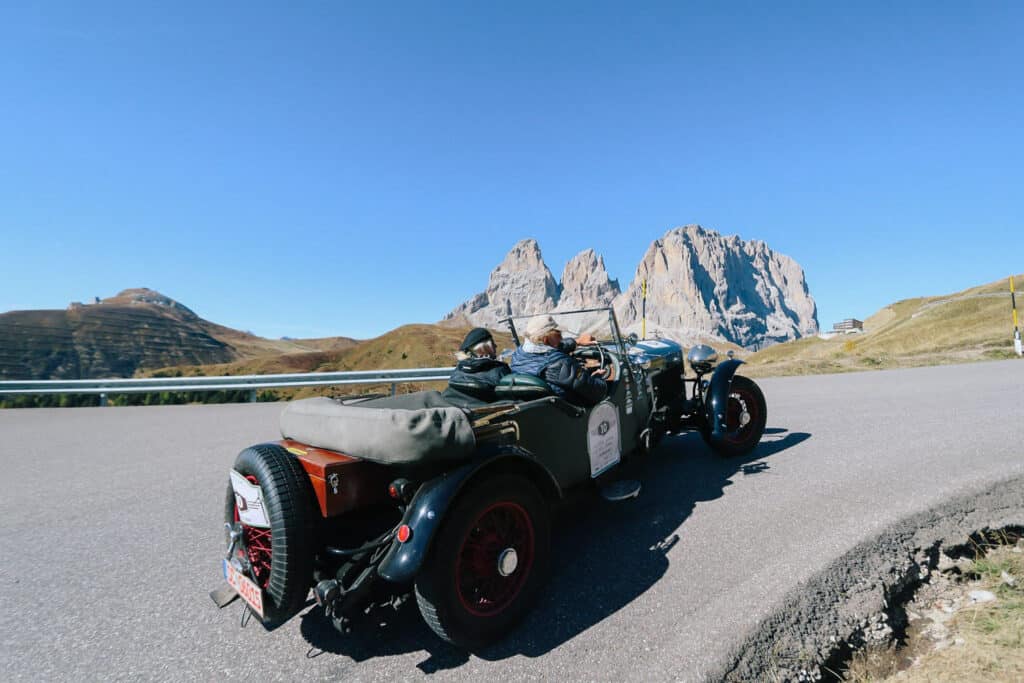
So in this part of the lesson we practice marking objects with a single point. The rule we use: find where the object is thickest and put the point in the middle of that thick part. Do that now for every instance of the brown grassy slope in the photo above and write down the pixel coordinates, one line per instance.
(409, 346)
(248, 345)
(37, 345)
(243, 344)
(135, 330)
(974, 324)
(101, 340)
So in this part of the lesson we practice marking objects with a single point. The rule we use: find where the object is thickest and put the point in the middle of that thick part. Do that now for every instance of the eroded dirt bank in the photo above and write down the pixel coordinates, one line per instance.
(849, 603)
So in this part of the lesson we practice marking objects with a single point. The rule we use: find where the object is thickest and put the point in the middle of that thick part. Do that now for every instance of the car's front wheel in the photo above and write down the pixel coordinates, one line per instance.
(745, 417)
(488, 562)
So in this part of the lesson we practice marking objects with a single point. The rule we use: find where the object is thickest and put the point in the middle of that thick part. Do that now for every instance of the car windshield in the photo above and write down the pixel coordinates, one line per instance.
(596, 322)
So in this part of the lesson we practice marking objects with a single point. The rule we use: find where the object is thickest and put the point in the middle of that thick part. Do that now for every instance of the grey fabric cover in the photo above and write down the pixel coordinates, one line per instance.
(390, 435)
(413, 401)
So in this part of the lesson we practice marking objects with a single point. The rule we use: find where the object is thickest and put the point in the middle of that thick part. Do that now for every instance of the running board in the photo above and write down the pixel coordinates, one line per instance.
(623, 489)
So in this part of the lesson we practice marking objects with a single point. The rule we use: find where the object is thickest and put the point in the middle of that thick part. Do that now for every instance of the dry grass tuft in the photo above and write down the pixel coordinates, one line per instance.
(988, 638)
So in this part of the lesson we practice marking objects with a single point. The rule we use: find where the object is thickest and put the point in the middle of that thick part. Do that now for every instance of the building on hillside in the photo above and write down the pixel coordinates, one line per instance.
(848, 325)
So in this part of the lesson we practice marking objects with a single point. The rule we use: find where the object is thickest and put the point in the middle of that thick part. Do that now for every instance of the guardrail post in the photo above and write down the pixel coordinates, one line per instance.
(252, 396)
(393, 388)
(103, 400)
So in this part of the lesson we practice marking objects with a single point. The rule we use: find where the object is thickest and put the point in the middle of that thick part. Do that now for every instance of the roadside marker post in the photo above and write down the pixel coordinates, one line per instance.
(1016, 329)
(643, 312)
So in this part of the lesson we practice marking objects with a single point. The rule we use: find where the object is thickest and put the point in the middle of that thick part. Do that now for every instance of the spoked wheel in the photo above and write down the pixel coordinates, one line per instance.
(494, 559)
(745, 418)
(488, 562)
(281, 557)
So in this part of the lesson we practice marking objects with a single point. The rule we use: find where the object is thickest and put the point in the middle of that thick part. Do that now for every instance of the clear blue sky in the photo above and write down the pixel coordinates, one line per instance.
(310, 169)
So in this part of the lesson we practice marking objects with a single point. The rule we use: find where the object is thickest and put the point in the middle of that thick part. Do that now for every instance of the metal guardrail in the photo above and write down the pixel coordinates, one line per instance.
(235, 382)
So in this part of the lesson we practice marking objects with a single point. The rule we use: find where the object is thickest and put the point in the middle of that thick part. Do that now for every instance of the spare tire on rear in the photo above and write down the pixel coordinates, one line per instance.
(282, 558)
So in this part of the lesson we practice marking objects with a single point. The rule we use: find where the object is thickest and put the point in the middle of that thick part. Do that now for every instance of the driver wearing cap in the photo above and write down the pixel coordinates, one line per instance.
(546, 355)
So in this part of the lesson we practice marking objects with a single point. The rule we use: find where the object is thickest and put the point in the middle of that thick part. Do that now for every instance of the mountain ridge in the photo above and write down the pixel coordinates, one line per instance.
(700, 285)
(963, 326)
(136, 329)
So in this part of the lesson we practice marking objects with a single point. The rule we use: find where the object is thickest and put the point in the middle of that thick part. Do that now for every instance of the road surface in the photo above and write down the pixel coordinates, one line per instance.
(111, 538)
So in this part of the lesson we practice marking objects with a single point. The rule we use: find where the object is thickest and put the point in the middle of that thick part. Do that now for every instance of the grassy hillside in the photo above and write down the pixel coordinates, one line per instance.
(971, 325)
(140, 330)
(101, 340)
(118, 336)
(409, 346)
(248, 345)
(965, 326)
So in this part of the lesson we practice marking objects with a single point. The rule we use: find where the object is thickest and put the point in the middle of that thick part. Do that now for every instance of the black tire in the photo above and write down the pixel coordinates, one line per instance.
(289, 500)
(740, 439)
(461, 591)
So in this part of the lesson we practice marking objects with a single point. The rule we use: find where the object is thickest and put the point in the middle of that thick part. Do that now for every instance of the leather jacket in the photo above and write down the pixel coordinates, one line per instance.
(566, 375)
(473, 380)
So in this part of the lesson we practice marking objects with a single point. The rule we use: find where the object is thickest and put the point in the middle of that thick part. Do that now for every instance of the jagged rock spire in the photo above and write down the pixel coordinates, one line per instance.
(585, 283)
(520, 285)
(700, 284)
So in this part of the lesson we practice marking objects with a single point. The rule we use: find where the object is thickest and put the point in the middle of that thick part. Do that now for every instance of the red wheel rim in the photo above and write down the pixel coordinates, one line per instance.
(740, 401)
(482, 588)
(257, 547)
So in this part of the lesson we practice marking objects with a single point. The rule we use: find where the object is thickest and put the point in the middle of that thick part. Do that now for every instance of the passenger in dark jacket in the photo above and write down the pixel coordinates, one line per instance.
(478, 371)
(546, 355)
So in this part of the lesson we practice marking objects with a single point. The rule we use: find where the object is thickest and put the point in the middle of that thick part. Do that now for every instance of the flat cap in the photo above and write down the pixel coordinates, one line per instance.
(475, 336)
(540, 327)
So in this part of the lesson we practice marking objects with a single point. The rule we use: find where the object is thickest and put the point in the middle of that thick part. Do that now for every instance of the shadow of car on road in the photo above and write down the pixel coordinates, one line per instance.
(584, 587)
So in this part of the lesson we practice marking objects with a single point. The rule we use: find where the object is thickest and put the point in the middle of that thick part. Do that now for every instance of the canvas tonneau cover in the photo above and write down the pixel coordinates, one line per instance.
(415, 428)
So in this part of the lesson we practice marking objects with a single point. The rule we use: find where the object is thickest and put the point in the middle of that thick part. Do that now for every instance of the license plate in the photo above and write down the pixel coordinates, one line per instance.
(246, 587)
(249, 502)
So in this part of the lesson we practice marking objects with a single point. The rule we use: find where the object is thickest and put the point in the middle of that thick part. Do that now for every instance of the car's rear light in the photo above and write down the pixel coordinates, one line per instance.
(401, 490)
(404, 533)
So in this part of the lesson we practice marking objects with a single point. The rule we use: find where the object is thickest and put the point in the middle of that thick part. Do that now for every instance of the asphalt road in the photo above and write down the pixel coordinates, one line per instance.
(111, 537)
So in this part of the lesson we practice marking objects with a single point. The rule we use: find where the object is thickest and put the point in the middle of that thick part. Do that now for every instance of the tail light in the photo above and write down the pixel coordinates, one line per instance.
(402, 490)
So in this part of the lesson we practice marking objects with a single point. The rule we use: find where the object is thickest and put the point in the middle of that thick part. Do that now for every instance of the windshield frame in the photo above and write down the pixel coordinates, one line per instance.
(613, 324)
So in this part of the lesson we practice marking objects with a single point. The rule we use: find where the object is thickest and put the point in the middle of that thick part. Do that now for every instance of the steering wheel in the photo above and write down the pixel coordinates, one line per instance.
(604, 358)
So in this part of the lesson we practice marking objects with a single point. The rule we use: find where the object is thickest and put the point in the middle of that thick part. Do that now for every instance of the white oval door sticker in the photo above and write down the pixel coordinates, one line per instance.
(603, 444)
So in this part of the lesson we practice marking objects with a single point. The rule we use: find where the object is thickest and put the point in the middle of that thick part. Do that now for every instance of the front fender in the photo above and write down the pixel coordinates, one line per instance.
(431, 503)
(718, 396)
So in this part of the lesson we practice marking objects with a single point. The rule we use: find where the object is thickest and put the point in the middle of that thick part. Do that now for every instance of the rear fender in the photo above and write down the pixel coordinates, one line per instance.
(433, 500)
(718, 396)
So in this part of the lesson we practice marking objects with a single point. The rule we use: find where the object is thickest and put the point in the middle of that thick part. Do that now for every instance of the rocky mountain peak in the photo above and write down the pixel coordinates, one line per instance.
(700, 285)
(523, 256)
(520, 285)
(143, 295)
(585, 283)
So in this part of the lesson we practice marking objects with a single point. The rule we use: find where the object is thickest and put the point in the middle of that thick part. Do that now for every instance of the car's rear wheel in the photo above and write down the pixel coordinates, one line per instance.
(488, 562)
(281, 557)
(745, 417)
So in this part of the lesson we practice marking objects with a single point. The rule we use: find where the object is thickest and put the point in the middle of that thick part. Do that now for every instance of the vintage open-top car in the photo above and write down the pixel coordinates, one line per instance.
(369, 501)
